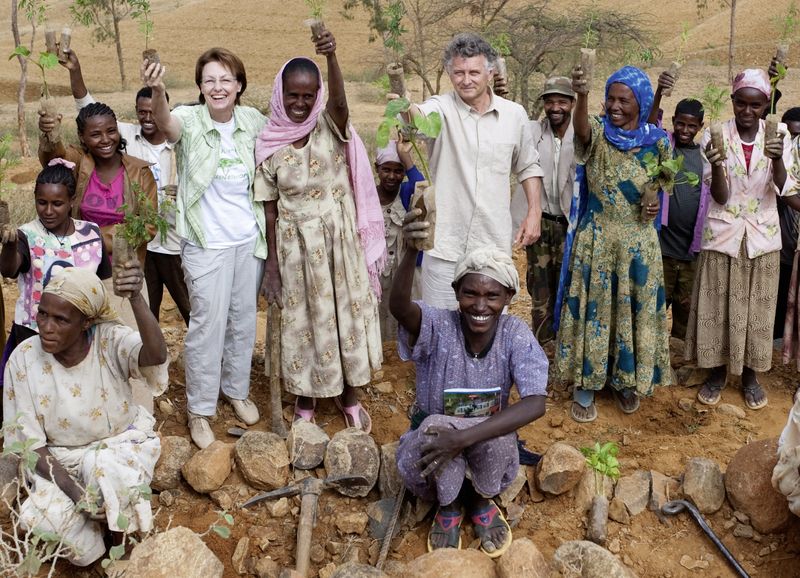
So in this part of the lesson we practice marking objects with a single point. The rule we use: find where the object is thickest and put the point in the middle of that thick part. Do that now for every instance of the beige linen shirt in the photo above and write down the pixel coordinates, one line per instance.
(472, 161)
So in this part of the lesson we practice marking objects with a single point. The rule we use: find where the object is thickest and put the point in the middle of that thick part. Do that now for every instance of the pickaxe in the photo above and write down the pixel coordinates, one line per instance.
(309, 490)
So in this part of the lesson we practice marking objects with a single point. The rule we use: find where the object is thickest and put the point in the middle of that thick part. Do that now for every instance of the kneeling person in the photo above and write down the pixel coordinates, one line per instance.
(462, 450)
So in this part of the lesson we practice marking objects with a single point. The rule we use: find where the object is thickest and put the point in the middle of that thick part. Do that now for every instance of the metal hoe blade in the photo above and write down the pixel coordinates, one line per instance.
(677, 506)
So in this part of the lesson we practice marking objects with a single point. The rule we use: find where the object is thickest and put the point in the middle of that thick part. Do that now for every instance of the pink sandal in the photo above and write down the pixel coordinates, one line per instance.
(354, 415)
(305, 414)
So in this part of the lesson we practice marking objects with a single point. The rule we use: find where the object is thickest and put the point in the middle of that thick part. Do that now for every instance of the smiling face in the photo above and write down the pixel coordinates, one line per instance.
(299, 95)
(685, 127)
(749, 105)
(53, 206)
(219, 88)
(794, 127)
(558, 109)
(144, 112)
(470, 78)
(61, 325)
(390, 176)
(101, 136)
(481, 300)
(621, 107)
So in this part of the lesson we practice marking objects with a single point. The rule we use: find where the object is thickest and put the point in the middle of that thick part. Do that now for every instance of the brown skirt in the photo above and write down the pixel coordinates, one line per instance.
(733, 311)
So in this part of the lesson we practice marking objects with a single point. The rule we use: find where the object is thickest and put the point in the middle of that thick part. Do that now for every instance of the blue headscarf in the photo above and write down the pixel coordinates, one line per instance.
(645, 134)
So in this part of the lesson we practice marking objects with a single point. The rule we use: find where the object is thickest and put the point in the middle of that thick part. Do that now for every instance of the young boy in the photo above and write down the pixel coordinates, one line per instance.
(683, 217)
(393, 164)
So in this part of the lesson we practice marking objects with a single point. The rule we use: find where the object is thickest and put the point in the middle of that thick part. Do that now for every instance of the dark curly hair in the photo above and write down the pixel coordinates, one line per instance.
(97, 109)
(57, 174)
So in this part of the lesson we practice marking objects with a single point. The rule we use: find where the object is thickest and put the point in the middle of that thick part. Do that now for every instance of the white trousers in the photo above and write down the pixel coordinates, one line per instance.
(223, 291)
(437, 282)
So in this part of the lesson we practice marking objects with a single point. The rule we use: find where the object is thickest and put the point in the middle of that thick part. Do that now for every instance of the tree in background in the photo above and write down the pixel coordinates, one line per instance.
(104, 16)
(34, 11)
(702, 6)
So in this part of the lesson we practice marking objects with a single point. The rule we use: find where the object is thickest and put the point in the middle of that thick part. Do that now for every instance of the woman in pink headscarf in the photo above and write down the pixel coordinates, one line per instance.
(325, 237)
(735, 288)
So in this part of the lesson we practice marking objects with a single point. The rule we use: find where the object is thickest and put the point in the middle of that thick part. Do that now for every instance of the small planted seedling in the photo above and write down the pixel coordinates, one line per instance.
(677, 64)
(395, 12)
(502, 45)
(602, 459)
(315, 22)
(771, 121)
(788, 25)
(142, 12)
(429, 125)
(134, 231)
(714, 100)
(588, 50)
(664, 175)
(45, 61)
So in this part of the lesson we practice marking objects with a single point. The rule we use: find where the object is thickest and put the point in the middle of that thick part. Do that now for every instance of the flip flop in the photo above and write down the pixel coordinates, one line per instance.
(304, 414)
(709, 394)
(448, 524)
(590, 417)
(488, 519)
(354, 415)
(749, 394)
(624, 401)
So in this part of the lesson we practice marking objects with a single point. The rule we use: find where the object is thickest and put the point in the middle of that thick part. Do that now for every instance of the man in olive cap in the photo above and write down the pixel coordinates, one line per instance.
(553, 138)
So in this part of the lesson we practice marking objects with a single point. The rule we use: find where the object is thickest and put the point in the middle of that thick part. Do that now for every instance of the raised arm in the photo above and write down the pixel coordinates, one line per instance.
(408, 313)
(665, 82)
(76, 82)
(170, 125)
(337, 99)
(129, 283)
(580, 116)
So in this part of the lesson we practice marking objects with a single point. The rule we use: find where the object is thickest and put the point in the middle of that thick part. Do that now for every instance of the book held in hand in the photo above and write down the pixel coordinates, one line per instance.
(463, 402)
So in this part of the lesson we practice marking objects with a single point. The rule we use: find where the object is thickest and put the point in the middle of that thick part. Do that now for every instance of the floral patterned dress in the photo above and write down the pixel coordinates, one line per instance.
(329, 323)
(613, 320)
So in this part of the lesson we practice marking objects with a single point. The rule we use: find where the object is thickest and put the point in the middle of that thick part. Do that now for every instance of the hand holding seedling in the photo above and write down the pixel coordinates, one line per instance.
(47, 122)
(71, 60)
(773, 147)
(500, 85)
(773, 69)
(666, 81)
(325, 45)
(152, 74)
(8, 235)
(579, 84)
(413, 229)
(714, 156)
(129, 280)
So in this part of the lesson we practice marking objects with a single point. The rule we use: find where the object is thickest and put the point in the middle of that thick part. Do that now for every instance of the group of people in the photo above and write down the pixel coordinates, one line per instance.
(287, 206)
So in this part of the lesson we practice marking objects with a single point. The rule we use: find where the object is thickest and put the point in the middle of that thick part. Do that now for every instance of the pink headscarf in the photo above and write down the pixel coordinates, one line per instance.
(753, 78)
(281, 131)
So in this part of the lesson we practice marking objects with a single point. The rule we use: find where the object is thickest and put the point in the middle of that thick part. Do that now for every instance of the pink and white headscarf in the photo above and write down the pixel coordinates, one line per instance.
(753, 78)
(281, 131)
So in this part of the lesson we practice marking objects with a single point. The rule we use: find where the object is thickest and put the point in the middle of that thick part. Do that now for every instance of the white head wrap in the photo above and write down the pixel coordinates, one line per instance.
(83, 289)
(492, 263)
(388, 154)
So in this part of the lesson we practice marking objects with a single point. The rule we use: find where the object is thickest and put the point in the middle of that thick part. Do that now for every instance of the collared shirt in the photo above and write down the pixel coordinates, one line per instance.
(162, 165)
(197, 151)
(553, 203)
(751, 210)
(472, 161)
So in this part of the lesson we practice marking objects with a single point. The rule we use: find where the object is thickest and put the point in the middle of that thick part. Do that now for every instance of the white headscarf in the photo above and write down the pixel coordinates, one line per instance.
(388, 154)
(492, 263)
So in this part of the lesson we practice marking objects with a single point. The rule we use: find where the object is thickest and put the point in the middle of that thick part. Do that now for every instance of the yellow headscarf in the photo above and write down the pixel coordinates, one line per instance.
(85, 291)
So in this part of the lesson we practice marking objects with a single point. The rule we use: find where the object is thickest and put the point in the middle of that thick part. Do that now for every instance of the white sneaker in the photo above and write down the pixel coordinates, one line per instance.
(245, 410)
(200, 431)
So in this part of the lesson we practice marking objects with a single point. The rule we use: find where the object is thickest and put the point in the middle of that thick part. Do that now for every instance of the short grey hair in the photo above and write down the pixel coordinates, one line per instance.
(467, 45)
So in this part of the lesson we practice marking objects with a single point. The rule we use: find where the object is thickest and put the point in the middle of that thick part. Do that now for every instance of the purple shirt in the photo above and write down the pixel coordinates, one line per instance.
(442, 360)
(101, 201)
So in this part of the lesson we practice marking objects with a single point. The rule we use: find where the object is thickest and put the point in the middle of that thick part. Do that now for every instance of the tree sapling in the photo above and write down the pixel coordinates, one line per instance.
(676, 65)
(602, 459)
(391, 40)
(45, 61)
(588, 50)
(663, 175)
(315, 22)
(714, 100)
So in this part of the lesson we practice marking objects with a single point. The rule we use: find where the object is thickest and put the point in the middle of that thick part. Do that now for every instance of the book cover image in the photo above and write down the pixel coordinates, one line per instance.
(462, 402)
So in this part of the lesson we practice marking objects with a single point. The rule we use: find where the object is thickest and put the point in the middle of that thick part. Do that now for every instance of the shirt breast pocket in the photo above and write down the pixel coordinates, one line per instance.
(502, 154)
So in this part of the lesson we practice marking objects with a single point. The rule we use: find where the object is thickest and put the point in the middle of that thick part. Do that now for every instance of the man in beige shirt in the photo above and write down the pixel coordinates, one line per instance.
(484, 140)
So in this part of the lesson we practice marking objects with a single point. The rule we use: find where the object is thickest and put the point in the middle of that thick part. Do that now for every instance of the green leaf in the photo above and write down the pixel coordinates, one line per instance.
(106, 562)
(116, 552)
(228, 518)
(48, 60)
(382, 135)
(434, 124)
(122, 521)
(222, 531)
(397, 106)
(20, 51)
(692, 178)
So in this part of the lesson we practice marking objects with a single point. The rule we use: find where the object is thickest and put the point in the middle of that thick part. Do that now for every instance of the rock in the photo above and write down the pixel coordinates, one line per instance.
(222, 499)
(634, 491)
(384, 387)
(263, 460)
(239, 555)
(166, 407)
(703, 484)
(556, 420)
(731, 410)
(389, 482)
(306, 444)
(743, 518)
(317, 553)
(560, 468)
(583, 559)
(357, 571)
(267, 568)
(729, 524)
(351, 452)
(175, 451)
(514, 513)
(207, 469)
(380, 513)
(691, 564)
(279, 508)
(507, 496)
(662, 490)
(9, 475)
(586, 489)
(261, 536)
(451, 563)
(352, 522)
(686, 404)
(176, 553)
(614, 546)
(618, 512)
(327, 571)
(749, 486)
(166, 498)
(743, 531)
(522, 560)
